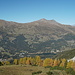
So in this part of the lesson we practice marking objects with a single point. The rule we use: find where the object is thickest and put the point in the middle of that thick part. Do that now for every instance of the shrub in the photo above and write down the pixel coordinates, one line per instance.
(1, 64)
(49, 73)
(38, 72)
(34, 65)
(57, 68)
(70, 71)
(48, 67)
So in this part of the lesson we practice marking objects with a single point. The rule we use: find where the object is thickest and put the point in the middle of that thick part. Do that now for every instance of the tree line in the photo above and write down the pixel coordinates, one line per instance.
(37, 61)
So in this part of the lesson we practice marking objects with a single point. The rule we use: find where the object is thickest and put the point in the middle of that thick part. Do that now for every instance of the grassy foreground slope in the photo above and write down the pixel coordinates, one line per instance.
(20, 70)
(27, 70)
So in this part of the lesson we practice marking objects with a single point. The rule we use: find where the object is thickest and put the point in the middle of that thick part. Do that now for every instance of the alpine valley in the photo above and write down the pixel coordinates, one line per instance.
(42, 37)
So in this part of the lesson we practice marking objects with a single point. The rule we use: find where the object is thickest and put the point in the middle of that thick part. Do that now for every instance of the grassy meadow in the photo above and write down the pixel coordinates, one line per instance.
(21, 70)
(28, 70)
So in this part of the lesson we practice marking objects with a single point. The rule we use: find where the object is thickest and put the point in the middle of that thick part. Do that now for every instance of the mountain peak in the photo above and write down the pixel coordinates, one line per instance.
(43, 19)
(48, 21)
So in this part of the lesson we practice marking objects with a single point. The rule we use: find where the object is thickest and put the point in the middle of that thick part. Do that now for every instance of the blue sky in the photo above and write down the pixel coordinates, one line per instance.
(23, 11)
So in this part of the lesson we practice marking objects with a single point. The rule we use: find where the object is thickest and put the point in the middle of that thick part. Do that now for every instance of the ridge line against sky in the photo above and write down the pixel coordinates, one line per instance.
(24, 11)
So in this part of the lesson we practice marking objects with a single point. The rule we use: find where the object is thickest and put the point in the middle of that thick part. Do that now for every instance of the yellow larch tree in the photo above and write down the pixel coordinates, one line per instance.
(51, 62)
(28, 61)
(15, 61)
(69, 64)
(56, 62)
(46, 62)
(63, 63)
(38, 60)
(73, 65)
(7, 63)
(24, 60)
(33, 61)
(21, 61)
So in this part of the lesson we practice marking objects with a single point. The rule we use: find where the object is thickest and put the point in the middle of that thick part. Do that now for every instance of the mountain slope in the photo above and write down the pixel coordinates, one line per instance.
(66, 54)
(38, 36)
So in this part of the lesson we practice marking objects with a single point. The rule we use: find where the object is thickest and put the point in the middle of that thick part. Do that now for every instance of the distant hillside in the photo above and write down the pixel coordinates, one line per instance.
(66, 54)
(38, 36)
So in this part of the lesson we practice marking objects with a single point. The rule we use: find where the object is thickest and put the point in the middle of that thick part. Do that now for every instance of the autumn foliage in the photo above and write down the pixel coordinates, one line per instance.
(45, 62)
(37, 61)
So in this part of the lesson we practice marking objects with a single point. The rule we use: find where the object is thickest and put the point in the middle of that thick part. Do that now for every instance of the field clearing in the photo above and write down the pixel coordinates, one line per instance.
(21, 70)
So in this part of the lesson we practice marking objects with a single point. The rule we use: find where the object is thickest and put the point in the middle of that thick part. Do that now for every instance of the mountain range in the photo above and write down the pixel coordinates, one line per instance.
(41, 36)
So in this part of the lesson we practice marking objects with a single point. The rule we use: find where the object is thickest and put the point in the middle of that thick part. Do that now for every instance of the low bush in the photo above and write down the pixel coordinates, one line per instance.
(70, 71)
(38, 72)
(48, 67)
(49, 73)
(34, 65)
(1, 64)
(57, 68)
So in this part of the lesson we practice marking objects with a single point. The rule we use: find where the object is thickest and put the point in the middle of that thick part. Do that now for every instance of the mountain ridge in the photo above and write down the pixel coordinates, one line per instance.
(37, 36)
(42, 20)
